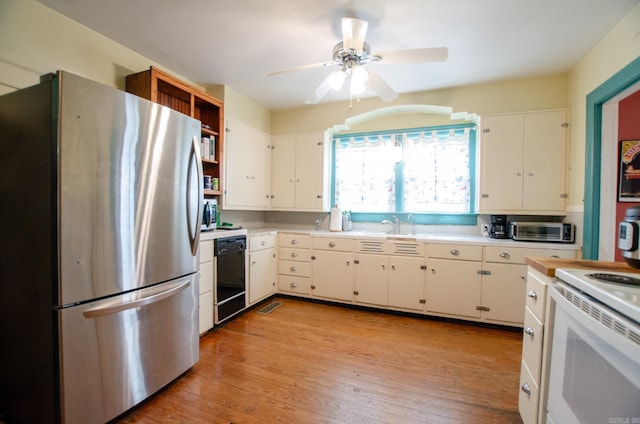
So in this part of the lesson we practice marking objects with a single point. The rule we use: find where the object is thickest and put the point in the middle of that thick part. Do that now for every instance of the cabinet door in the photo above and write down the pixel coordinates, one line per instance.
(454, 287)
(545, 141)
(283, 177)
(332, 274)
(262, 274)
(372, 279)
(503, 292)
(247, 151)
(501, 167)
(406, 282)
(309, 171)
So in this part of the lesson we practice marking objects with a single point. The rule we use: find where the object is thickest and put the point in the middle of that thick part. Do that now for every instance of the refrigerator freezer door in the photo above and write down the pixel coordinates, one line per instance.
(130, 190)
(117, 351)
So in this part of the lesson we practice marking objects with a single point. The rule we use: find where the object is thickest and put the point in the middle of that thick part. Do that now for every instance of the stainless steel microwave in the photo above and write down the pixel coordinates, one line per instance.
(542, 231)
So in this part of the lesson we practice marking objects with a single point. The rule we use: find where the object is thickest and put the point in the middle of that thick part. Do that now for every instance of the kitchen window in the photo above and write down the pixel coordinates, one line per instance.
(428, 171)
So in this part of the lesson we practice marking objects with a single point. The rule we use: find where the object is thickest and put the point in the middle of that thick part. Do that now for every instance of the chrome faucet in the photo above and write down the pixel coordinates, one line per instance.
(386, 221)
(411, 220)
(395, 224)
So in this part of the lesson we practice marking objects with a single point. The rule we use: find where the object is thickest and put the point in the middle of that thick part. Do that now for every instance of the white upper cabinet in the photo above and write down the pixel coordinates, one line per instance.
(247, 167)
(524, 162)
(299, 180)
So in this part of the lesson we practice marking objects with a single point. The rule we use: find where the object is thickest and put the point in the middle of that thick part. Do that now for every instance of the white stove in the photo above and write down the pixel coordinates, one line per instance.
(594, 359)
(618, 290)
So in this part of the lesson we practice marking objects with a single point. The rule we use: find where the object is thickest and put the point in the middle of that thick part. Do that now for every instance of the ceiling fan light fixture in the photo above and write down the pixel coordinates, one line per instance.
(359, 76)
(336, 79)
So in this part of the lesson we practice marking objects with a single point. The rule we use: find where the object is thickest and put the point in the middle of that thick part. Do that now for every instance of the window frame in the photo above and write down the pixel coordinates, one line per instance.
(424, 218)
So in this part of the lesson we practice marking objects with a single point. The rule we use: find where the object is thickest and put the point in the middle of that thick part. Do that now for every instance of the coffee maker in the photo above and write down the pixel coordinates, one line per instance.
(498, 227)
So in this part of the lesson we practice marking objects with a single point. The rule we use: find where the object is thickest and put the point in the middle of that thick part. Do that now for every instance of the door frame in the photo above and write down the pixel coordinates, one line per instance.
(596, 100)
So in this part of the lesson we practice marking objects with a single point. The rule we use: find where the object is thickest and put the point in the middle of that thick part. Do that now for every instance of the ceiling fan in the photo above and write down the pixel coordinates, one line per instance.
(353, 53)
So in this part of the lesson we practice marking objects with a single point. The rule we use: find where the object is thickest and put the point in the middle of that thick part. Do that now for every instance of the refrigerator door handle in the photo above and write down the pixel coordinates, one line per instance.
(149, 296)
(194, 227)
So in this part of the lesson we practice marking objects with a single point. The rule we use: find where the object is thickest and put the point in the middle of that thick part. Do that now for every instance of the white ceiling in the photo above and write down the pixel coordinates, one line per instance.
(238, 42)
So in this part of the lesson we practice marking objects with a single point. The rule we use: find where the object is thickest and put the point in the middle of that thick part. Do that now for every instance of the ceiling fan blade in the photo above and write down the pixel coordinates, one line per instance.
(380, 87)
(353, 33)
(434, 54)
(320, 92)
(299, 68)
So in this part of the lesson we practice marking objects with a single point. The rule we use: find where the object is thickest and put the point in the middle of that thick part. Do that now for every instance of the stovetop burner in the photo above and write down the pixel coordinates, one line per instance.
(615, 278)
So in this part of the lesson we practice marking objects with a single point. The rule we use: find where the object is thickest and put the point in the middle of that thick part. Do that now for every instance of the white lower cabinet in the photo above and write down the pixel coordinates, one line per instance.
(205, 308)
(454, 281)
(332, 268)
(371, 279)
(531, 397)
(407, 282)
(454, 287)
(294, 264)
(262, 267)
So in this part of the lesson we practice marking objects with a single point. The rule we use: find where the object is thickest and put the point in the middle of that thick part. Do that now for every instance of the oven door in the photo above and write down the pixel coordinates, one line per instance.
(594, 374)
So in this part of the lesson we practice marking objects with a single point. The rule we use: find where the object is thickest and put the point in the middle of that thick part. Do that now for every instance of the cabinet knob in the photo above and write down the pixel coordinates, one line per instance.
(532, 294)
(318, 197)
(264, 243)
(529, 331)
(530, 173)
(525, 388)
(332, 244)
(293, 269)
(294, 285)
(522, 277)
(294, 255)
(294, 241)
(454, 252)
(519, 174)
(505, 255)
(393, 267)
(384, 267)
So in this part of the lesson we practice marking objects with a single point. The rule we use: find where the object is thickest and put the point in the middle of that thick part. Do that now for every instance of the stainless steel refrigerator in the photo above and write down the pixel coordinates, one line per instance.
(101, 195)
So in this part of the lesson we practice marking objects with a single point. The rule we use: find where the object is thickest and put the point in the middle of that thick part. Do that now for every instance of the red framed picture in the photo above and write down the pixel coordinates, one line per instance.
(629, 175)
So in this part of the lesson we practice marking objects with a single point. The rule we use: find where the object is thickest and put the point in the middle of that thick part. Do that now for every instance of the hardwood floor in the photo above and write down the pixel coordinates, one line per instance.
(314, 363)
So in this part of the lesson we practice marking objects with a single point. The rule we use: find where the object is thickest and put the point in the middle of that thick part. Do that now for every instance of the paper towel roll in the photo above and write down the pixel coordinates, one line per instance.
(335, 222)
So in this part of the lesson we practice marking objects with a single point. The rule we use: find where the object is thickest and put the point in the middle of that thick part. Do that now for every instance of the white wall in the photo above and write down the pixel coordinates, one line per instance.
(620, 47)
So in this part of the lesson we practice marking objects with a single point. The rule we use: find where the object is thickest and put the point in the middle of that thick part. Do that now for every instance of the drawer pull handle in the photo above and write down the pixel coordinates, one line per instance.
(332, 244)
(454, 252)
(293, 269)
(505, 255)
(294, 285)
(532, 294)
(529, 331)
(294, 241)
(526, 388)
(294, 255)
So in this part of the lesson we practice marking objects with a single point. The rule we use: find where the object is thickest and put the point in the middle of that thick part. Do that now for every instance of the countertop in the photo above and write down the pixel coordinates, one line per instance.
(548, 266)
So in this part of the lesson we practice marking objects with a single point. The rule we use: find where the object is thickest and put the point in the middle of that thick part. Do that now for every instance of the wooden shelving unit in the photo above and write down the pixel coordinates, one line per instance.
(162, 88)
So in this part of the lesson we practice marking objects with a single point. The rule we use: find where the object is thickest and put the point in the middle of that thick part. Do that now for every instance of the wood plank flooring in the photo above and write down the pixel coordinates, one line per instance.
(313, 363)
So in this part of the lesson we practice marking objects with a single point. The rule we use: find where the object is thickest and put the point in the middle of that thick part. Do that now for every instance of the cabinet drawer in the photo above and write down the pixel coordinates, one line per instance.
(337, 244)
(257, 243)
(536, 295)
(517, 255)
(294, 284)
(294, 268)
(300, 241)
(466, 252)
(206, 251)
(528, 397)
(532, 344)
(295, 254)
